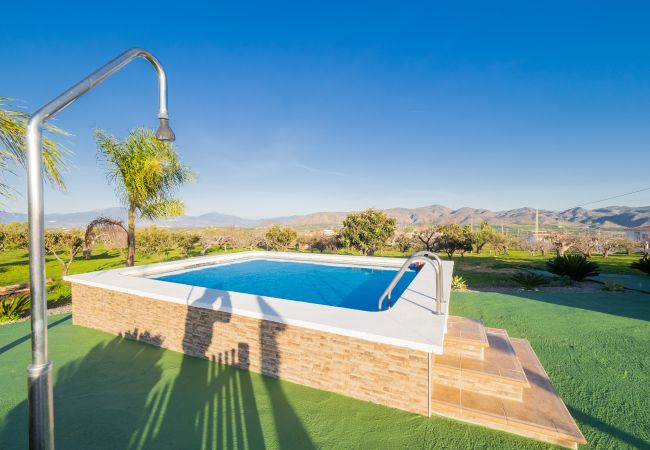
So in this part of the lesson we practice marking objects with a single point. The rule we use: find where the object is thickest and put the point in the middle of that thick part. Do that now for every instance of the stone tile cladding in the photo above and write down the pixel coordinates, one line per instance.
(366, 370)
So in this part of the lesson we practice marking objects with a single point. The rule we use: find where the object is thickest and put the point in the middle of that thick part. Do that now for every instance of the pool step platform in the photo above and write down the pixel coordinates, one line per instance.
(487, 378)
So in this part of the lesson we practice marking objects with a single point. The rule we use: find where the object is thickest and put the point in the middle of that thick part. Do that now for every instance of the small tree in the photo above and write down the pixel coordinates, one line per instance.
(533, 246)
(215, 237)
(317, 240)
(251, 239)
(64, 246)
(608, 245)
(483, 236)
(155, 241)
(185, 241)
(427, 236)
(454, 238)
(404, 242)
(14, 236)
(562, 242)
(280, 238)
(627, 245)
(367, 231)
(587, 244)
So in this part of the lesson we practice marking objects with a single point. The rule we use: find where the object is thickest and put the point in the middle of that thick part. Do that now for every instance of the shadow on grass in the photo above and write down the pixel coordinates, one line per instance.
(22, 339)
(629, 305)
(97, 398)
(122, 395)
(608, 429)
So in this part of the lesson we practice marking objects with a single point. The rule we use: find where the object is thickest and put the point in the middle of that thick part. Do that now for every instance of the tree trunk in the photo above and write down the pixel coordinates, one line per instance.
(130, 239)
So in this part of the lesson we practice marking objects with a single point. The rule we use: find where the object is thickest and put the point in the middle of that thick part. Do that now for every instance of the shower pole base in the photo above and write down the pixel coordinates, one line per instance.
(41, 414)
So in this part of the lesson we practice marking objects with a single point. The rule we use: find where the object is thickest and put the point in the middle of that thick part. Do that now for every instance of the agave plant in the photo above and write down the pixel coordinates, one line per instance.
(575, 266)
(530, 281)
(458, 283)
(643, 264)
(12, 308)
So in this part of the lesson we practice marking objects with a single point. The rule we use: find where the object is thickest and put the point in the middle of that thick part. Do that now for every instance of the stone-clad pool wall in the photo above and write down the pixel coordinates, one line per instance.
(376, 372)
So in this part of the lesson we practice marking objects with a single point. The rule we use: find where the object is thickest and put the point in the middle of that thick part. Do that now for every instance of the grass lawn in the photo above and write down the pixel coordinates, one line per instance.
(113, 393)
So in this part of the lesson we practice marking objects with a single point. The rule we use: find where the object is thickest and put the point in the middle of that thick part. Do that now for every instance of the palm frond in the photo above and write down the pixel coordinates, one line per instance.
(12, 145)
(145, 172)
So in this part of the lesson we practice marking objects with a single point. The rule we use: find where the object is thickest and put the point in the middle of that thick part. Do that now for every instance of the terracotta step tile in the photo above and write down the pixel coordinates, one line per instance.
(499, 374)
(540, 415)
(465, 336)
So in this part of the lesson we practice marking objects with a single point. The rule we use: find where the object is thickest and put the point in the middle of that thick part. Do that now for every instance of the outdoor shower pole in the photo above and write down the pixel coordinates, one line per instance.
(39, 373)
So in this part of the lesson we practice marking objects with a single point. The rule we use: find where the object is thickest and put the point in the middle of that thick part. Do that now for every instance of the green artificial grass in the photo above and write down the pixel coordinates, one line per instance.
(115, 393)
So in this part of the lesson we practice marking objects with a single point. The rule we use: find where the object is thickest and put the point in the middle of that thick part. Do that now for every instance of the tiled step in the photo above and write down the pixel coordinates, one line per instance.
(465, 337)
(499, 373)
(540, 415)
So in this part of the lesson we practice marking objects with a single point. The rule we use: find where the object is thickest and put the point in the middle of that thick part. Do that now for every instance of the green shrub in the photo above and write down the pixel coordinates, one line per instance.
(574, 266)
(614, 286)
(458, 283)
(563, 281)
(530, 281)
(13, 308)
(643, 264)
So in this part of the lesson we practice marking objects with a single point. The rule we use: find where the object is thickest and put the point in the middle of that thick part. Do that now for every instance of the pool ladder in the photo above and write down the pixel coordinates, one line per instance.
(423, 256)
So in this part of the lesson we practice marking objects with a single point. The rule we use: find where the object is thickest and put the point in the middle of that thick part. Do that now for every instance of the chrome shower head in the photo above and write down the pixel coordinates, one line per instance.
(164, 133)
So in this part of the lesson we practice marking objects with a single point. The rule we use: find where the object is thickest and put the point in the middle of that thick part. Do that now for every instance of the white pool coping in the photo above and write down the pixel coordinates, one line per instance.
(411, 323)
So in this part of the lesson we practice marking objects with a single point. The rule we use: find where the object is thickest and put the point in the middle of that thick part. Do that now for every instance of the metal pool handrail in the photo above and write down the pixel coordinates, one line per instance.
(424, 257)
(39, 373)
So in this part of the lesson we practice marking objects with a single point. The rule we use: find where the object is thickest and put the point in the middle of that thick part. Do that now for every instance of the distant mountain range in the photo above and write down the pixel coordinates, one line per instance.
(609, 217)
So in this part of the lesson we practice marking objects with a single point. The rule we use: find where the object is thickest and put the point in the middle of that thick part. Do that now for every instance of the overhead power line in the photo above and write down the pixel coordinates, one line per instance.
(611, 198)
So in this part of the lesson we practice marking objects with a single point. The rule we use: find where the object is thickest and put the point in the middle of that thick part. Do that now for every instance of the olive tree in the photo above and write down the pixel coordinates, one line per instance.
(367, 231)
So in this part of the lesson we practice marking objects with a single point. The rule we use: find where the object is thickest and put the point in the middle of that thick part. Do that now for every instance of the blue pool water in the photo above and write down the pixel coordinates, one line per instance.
(344, 286)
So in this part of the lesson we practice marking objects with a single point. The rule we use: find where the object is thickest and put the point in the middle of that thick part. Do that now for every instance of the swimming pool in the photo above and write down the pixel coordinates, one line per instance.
(307, 318)
(345, 286)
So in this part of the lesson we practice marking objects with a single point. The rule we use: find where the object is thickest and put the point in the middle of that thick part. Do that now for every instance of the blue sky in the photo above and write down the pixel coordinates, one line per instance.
(296, 108)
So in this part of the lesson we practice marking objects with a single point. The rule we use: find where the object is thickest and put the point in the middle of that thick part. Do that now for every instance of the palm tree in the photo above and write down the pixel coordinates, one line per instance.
(12, 147)
(146, 173)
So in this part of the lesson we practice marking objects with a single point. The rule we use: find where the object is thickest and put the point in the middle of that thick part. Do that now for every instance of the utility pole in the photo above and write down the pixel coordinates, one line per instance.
(536, 224)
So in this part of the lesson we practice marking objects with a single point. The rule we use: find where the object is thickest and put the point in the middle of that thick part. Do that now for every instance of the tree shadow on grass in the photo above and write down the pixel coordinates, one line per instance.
(213, 404)
(289, 428)
(122, 395)
(629, 305)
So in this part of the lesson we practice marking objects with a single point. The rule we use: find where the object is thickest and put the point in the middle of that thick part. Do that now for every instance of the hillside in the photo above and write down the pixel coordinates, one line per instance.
(608, 217)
